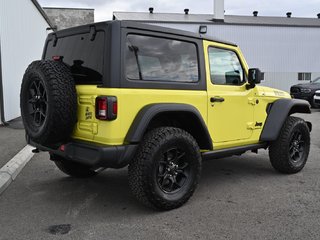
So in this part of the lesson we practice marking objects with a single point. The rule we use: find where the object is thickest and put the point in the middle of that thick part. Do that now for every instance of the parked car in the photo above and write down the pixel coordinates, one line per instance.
(160, 100)
(306, 91)
(316, 99)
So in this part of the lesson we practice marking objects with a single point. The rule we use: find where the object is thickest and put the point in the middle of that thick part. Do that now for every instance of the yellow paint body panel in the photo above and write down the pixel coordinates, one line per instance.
(130, 102)
(230, 123)
(233, 122)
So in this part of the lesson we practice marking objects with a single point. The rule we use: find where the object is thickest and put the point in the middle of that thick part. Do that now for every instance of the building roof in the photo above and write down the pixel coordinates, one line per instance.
(68, 8)
(209, 19)
(37, 5)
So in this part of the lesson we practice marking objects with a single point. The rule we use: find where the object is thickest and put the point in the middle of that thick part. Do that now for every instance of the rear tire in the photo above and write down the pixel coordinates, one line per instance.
(73, 169)
(289, 153)
(166, 169)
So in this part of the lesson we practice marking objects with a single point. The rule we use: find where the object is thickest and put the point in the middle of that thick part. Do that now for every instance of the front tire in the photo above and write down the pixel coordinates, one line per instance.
(166, 169)
(289, 153)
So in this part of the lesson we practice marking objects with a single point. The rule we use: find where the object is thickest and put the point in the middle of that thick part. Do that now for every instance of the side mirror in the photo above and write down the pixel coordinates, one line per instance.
(255, 76)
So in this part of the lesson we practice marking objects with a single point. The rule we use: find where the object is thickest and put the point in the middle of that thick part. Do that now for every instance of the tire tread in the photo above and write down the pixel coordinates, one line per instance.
(278, 150)
(141, 165)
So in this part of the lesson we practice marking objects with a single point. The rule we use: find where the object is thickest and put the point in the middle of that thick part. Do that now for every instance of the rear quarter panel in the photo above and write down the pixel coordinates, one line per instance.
(130, 102)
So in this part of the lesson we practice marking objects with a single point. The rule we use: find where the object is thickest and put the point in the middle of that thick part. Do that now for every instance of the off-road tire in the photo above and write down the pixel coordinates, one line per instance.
(158, 146)
(48, 102)
(71, 168)
(281, 151)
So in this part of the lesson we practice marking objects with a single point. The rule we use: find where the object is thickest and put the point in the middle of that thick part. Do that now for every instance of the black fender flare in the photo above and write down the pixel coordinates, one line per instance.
(278, 113)
(140, 124)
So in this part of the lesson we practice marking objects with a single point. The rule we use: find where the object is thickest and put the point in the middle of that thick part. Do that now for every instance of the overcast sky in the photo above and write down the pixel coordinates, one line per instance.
(104, 8)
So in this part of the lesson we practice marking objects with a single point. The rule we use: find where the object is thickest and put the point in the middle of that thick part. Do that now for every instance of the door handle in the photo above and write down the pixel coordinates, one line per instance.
(217, 99)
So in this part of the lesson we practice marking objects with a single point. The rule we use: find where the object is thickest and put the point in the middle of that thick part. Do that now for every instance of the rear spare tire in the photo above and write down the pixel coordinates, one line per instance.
(48, 102)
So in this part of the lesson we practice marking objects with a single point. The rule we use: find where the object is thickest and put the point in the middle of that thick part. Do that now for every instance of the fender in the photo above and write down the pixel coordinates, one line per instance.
(278, 114)
(141, 122)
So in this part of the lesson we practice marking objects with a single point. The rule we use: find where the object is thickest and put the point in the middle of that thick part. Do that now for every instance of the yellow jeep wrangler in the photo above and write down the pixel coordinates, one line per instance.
(160, 100)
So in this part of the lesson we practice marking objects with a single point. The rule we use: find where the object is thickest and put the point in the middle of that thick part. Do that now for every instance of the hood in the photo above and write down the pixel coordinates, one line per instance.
(272, 92)
(313, 86)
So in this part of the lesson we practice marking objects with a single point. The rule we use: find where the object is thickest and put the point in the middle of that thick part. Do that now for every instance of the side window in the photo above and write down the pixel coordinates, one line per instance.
(160, 59)
(225, 67)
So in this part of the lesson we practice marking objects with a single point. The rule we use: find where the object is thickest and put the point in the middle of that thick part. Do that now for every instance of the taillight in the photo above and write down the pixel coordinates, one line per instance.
(115, 108)
(57, 58)
(62, 148)
(106, 107)
(102, 108)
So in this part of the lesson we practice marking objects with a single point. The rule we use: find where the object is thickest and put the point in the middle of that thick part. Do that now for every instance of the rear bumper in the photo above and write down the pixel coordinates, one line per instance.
(92, 154)
(316, 101)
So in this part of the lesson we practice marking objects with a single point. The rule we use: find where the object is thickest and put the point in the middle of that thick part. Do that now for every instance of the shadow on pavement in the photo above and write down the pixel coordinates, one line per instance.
(109, 191)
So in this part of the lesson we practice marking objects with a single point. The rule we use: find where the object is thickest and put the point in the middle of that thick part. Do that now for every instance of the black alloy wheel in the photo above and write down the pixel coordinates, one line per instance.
(297, 146)
(173, 171)
(37, 103)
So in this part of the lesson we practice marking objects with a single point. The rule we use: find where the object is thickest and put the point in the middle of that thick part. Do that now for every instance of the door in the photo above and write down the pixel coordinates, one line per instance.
(230, 104)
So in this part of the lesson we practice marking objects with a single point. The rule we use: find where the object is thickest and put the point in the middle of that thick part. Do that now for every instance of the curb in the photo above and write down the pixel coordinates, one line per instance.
(10, 171)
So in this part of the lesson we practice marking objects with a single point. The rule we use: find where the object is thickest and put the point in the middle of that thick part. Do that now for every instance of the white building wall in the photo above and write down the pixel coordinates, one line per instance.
(22, 36)
(281, 52)
(284, 80)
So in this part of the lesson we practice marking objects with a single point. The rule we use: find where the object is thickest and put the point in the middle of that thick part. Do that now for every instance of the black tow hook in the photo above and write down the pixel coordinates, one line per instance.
(36, 150)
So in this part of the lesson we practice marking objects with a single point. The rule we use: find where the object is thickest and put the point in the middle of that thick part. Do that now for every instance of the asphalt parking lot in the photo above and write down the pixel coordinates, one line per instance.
(238, 198)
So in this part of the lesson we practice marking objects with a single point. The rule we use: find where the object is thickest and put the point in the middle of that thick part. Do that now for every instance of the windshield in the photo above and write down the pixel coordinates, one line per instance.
(317, 80)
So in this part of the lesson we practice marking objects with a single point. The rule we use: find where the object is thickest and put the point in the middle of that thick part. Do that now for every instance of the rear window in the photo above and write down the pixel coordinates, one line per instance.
(160, 59)
(85, 57)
